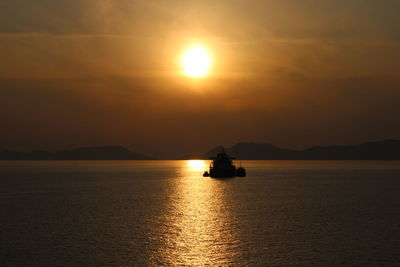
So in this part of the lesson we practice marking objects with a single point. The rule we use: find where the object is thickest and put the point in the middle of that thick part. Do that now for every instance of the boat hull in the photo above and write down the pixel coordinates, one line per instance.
(227, 173)
(222, 173)
(222, 167)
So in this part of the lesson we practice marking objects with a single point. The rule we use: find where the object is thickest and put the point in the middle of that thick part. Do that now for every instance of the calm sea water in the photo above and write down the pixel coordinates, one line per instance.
(152, 213)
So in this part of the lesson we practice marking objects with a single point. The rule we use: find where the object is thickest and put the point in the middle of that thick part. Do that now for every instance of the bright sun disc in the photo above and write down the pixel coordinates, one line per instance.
(196, 62)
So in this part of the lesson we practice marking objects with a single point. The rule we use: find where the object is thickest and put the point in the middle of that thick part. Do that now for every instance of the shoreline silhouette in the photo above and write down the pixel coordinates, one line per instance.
(380, 150)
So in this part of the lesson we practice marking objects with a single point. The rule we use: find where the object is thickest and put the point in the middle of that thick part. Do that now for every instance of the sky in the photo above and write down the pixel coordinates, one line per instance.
(108, 72)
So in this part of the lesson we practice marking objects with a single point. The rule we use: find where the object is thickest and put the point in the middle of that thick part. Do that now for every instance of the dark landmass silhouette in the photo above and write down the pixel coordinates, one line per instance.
(83, 153)
(381, 150)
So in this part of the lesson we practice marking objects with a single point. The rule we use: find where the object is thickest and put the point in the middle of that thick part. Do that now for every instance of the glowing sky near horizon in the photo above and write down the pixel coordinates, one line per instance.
(292, 73)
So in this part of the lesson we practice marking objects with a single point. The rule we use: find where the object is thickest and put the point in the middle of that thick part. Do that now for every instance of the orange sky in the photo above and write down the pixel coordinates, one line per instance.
(292, 73)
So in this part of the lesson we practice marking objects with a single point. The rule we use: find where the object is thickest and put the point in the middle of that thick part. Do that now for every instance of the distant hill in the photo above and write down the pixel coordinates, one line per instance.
(383, 150)
(83, 153)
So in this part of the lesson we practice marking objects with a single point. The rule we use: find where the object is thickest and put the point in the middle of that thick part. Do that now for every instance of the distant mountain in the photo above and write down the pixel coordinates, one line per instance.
(83, 153)
(383, 150)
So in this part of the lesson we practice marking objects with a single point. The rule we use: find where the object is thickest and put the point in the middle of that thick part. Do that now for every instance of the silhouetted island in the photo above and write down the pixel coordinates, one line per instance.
(83, 153)
(382, 150)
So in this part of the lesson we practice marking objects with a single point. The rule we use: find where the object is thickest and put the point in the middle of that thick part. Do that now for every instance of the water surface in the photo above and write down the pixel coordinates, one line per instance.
(127, 213)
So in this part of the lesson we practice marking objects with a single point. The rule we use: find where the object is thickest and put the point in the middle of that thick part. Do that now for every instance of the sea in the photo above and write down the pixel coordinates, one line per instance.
(165, 213)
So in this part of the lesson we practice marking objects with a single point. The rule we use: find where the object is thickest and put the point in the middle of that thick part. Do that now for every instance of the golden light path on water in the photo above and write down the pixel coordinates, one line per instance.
(199, 221)
(196, 165)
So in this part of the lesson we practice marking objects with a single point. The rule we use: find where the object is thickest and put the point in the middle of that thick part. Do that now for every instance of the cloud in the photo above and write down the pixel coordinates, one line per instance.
(294, 73)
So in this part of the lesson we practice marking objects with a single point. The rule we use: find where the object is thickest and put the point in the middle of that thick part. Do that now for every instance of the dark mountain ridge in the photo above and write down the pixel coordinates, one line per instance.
(381, 150)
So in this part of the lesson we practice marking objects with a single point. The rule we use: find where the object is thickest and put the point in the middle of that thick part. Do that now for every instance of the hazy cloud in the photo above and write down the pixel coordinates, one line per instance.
(293, 73)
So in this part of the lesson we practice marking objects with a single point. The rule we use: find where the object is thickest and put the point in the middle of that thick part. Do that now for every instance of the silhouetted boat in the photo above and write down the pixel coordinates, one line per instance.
(223, 167)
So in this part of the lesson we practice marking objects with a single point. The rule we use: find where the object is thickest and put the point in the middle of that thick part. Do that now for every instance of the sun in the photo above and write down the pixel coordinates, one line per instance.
(196, 62)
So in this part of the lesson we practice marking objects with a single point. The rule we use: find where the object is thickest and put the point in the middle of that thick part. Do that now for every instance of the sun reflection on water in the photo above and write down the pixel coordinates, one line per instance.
(196, 165)
(196, 228)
